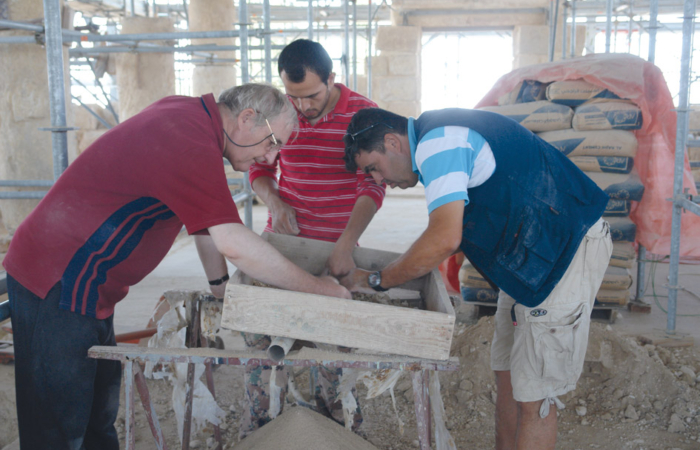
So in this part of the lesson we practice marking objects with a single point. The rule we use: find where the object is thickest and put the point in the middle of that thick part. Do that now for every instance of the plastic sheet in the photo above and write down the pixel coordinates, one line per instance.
(643, 83)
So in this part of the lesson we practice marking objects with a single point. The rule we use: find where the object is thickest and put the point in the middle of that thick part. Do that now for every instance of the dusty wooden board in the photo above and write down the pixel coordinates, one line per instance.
(662, 339)
(389, 329)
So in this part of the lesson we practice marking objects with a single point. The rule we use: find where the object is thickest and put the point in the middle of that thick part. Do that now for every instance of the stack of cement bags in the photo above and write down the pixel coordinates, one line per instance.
(594, 128)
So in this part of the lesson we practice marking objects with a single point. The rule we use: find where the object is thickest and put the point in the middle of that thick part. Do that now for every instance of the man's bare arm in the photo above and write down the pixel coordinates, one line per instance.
(340, 262)
(284, 220)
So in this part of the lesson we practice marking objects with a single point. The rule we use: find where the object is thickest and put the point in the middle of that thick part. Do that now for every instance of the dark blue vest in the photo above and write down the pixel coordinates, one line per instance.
(523, 226)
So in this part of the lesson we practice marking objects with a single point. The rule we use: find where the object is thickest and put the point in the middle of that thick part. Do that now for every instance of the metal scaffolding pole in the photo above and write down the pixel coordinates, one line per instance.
(310, 18)
(653, 26)
(564, 32)
(573, 29)
(553, 16)
(57, 94)
(267, 39)
(369, 49)
(346, 42)
(243, 24)
(354, 45)
(681, 138)
(608, 24)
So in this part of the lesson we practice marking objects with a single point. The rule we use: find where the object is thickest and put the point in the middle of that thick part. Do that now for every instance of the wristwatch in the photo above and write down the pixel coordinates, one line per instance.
(374, 280)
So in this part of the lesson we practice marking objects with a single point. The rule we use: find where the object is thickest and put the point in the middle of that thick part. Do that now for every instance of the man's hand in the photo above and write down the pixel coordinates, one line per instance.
(331, 287)
(284, 218)
(340, 263)
(356, 281)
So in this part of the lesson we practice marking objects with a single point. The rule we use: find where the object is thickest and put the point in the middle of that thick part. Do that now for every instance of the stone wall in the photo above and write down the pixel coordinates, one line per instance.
(213, 15)
(26, 153)
(143, 78)
(396, 71)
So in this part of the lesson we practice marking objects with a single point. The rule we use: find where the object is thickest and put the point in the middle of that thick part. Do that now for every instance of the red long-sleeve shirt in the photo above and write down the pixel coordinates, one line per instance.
(313, 179)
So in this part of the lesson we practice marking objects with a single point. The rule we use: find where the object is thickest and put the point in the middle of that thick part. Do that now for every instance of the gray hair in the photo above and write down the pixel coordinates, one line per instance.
(266, 99)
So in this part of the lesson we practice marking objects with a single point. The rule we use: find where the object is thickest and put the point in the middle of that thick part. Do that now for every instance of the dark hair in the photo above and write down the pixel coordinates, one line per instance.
(367, 130)
(302, 55)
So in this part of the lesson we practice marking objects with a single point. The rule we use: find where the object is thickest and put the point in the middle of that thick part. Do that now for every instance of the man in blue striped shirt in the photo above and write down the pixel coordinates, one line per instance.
(526, 217)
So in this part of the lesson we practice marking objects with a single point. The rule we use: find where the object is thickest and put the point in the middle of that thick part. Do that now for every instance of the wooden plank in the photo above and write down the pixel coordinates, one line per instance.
(435, 294)
(404, 331)
(305, 357)
(660, 338)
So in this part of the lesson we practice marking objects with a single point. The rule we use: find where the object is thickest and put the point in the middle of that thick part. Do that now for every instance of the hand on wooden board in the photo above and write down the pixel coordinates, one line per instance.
(340, 263)
(331, 286)
(356, 281)
(284, 218)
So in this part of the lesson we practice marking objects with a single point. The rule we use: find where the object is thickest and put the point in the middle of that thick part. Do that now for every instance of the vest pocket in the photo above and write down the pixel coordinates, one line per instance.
(534, 250)
(558, 345)
(483, 228)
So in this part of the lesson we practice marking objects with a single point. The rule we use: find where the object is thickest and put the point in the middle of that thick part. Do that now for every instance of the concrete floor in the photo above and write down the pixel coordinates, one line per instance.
(397, 224)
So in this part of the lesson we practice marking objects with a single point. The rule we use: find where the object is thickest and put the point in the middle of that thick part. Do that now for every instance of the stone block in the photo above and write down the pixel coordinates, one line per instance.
(406, 109)
(694, 154)
(83, 119)
(523, 60)
(531, 39)
(395, 89)
(361, 85)
(403, 64)
(212, 79)
(694, 119)
(380, 66)
(399, 39)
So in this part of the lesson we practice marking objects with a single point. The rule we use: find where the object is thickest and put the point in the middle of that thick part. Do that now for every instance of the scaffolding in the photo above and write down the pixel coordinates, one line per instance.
(53, 37)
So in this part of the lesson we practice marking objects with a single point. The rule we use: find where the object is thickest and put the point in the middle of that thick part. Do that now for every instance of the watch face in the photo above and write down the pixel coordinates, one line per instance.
(374, 279)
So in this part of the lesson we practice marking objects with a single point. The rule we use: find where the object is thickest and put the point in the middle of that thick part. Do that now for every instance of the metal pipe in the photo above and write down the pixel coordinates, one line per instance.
(89, 37)
(346, 42)
(162, 49)
(57, 95)
(5, 310)
(18, 40)
(310, 18)
(26, 183)
(608, 24)
(641, 257)
(553, 31)
(94, 114)
(564, 31)
(453, 12)
(573, 29)
(21, 26)
(267, 39)
(104, 93)
(354, 45)
(24, 195)
(243, 19)
(681, 137)
(653, 26)
(369, 49)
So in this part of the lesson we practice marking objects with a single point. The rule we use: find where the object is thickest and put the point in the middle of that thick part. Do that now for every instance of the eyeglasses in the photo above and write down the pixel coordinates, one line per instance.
(275, 143)
(354, 135)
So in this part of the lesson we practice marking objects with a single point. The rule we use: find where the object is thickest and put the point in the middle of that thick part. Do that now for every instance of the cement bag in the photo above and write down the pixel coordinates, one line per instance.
(576, 92)
(525, 92)
(622, 229)
(592, 143)
(470, 277)
(619, 186)
(606, 164)
(607, 116)
(623, 255)
(537, 116)
(470, 294)
(605, 296)
(617, 208)
(616, 279)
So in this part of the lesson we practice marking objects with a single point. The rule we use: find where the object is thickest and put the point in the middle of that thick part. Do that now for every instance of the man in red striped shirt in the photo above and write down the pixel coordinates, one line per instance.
(315, 196)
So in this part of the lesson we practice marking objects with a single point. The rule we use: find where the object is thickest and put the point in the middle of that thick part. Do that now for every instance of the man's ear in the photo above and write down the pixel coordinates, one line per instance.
(247, 118)
(331, 80)
(391, 143)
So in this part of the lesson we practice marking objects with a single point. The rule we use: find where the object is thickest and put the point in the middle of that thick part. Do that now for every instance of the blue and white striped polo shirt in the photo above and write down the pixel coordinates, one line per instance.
(448, 161)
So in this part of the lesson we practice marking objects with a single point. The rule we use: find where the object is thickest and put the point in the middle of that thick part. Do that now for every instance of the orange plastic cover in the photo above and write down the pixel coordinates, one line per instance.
(643, 83)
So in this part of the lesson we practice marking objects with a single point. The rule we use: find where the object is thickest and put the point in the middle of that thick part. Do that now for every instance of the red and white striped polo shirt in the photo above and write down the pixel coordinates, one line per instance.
(313, 179)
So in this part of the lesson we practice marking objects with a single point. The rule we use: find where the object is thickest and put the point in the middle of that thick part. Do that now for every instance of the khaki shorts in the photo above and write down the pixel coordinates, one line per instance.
(545, 351)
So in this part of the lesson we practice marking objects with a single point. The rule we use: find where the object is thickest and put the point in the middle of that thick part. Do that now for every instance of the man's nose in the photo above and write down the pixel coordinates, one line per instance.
(271, 155)
(377, 178)
(304, 104)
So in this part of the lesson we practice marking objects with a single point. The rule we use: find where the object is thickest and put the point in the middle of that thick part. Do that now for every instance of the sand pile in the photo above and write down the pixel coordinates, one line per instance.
(302, 429)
